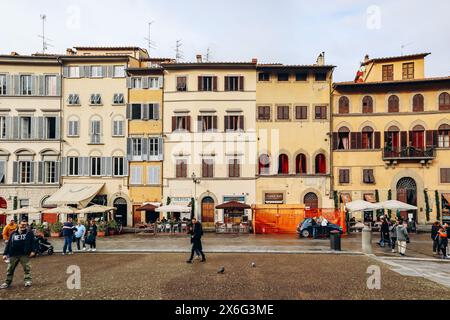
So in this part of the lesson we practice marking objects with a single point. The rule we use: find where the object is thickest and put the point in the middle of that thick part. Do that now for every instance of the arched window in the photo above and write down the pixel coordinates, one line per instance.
(417, 137)
(392, 138)
(367, 138)
(393, 104)
(95, 130)
(264, 164)
(300, 164)
(311, 201)
(344, 138)
(444, 101)
(344, 105)
(367, 104)
(321, 165)
(444, 136)
(73, 127)
(418, 105)
(283, 164)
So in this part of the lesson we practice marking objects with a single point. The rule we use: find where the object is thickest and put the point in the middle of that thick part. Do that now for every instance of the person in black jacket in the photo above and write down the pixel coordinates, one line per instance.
(20, 248)
(435, 236)
(196, 240)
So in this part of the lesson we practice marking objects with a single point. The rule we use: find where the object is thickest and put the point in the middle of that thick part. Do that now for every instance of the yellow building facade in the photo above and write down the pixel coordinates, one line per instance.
(391, 137)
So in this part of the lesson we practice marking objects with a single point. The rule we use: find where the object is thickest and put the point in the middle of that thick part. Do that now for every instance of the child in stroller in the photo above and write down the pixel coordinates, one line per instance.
(43, 246)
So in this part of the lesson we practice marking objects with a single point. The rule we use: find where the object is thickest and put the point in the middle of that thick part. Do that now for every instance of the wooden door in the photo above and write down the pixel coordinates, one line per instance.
(208, 212)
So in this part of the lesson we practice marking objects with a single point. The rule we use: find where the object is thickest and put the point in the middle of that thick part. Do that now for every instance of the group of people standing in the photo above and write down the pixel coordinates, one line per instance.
(439, 236)
(394, 233)
(78, 234)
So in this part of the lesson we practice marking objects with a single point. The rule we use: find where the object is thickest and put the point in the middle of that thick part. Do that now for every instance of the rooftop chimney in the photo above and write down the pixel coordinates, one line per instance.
(199, 58)
(366, 58)
(13, 53)
(321, 59)
(69, 51)
(255, 60)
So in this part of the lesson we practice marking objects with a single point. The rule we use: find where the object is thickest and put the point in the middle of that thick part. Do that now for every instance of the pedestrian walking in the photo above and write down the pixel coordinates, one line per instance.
(68, 230)
(196, 240)
(92, 236)
(8, 230)
(393, 234)
(443, 241)
(80, 236)
(402, 237)
(435, 236)
(384, 232)
(20, 248)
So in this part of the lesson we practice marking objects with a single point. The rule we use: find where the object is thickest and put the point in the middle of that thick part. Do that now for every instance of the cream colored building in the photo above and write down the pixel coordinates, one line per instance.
(210, 137)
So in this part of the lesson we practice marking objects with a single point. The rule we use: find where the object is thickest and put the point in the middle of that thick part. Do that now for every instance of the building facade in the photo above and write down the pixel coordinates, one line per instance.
(30, 121)
(210, 136)
(391, 136)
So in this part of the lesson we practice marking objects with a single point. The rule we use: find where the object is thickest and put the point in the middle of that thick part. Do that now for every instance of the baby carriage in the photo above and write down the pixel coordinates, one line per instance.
(43, 246)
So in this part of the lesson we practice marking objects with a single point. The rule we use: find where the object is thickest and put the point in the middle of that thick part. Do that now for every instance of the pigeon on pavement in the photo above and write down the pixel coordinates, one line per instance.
(221, 270)
(253, 265)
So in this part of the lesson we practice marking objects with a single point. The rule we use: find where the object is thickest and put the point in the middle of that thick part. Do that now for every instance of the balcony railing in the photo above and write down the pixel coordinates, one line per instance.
(409, 153)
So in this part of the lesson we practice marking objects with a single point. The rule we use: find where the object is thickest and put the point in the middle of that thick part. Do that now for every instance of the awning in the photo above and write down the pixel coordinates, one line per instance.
(233, 205)
(173, 208)
(369, 197)
(346, 197)
(75, 194)
(446, 196)
(147, 207)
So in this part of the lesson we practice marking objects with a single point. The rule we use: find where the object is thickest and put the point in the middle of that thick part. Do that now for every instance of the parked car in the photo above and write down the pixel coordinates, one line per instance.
(305, 228)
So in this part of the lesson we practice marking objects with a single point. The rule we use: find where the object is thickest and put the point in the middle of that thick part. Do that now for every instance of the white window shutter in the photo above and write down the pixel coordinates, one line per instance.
(161, 82)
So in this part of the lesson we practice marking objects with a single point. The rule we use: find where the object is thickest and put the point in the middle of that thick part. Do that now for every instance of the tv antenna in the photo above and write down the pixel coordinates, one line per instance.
(208, 54)
(45, 40)
(178, 52)
(405, 45)
(150, 43)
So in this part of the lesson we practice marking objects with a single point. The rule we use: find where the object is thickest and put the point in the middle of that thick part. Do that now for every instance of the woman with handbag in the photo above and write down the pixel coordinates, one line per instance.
(92, 235)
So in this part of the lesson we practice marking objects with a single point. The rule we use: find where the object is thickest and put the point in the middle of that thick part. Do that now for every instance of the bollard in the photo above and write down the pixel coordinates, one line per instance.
(367, 240)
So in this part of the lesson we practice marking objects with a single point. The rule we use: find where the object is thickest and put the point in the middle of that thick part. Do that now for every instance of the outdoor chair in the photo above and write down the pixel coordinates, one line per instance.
(168, 227)
(184, 227)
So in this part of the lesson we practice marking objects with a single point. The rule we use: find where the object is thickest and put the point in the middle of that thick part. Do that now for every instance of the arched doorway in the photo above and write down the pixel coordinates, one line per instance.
(3, 205)
(407, 192)
(122, 211)
(311, 201)
(208, 212)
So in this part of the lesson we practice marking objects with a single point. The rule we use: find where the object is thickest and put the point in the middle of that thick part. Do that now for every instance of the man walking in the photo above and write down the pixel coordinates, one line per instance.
(68, 230)
(196, 236)
(402, 237)
(8, 230)
(20, 248)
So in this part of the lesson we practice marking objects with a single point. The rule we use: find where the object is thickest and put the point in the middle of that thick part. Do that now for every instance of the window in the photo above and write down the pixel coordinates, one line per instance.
(283, 113)
(2, 172)
(321, 165)
(283, 76)
(234, 168)
(155, 147)
(96, 166)
(207, 168)
(408, 70)
(418, 104)
(207, 123)
(136, 113)
(368, 176)
(137, 147)
(444, 136)
(118, 166)
(301, 76)
(74, 99)
(393, 104)
(118, 98)
(3, 127)
(50, 127)
(300, 164)
(3, 84)
(264, 164)
(25, 85)
(321, 76)
(344, 176)
(119, 71)
(367, 104)
(388, 72)
(74, 166)
(181, 168)
(207, 83)
(74, 72)
(182, 84)
(320, 112)
(96, 99)
(263, 76)
(153, 83)
(25, 127)
(118, 128)
(234, 123)
(311, 201)
(367, 138)
(344, 105)
(301, 112)
(153, 175)
(136, 83)
(73, 130)
(136, 175)
(96, 72)
(264, 113)
(444, 101)
(25, 173)
(50, 172)
(50, 85)
(234, 83)
(343, 139)
(417, 137)
(95, 131)
(181, 123)
(445, 175)
(24, 203)
(283, 164)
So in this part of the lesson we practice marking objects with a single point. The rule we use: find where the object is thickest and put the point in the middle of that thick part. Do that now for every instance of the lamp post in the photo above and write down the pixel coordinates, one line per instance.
(196, 181)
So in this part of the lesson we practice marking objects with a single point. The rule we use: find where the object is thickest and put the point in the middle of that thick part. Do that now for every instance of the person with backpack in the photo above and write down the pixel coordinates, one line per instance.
(443, 241)
(435, 236)
(393, 234)
(402, 237)
(196, 236)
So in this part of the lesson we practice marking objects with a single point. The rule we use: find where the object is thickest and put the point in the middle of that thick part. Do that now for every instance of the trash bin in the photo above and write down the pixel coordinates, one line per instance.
(335, 240)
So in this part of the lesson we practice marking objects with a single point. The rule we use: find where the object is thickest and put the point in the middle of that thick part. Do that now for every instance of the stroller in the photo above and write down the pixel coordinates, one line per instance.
(43, 246)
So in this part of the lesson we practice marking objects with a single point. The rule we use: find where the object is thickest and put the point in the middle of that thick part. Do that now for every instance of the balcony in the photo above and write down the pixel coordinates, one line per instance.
(411, 154)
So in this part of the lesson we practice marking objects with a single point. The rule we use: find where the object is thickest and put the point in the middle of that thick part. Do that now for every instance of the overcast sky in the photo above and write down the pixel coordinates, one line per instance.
(285, 31)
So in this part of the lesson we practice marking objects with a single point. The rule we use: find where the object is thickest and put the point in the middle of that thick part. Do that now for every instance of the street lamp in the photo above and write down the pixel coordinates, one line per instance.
(196, 181)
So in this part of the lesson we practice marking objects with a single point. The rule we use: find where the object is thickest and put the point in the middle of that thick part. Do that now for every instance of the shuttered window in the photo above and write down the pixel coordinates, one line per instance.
(283, 113)
(344, 176)
(320, 112)
(388, 72)
(74, 166)
(301, 112)
(408, 71)
(393, 104)
(207, 123)
(26, 85)
(181, 123)
(95, 99)
(119, 71)
(50, 85)
(234, 123)
(207, 168)
(73, 99)
(234, 83)
(96, 166)
(73, 130)
(153, 175)
(368, 176)
(367, 104)
(182, 84)
(2, 172)
(3, 127)
(95, 131)
(181, 168)
(418, 103)
(26, 172)
(118, 130)
(136, 175)
(444, 101)
(264, 113)
(118, 166)
(445, 175)
(74, 72)
(344, 105)
(234, 169)
(3, 86)
(207, 83)
(118, 98)
(50, 172)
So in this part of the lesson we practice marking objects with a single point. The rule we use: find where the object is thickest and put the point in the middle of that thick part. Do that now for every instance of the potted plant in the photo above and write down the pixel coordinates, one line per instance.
(101, 229)
(112, 227)
(55, 229)
(40, 229)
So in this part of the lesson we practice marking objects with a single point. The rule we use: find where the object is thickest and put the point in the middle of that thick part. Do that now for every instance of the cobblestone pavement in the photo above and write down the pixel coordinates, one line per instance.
(167, 276)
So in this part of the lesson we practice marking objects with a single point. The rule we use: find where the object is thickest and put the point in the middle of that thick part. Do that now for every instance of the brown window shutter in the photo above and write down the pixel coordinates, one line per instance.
(214, 122)
(354, 140)
(429, 138)
(377, 140)
(226, 123)
(241, 83)
(227, 87)
(359, 140)
(241, 123)
(174, 124)
(214, 83)
(403, 139)
(341, 176)
(177, 169)
(200, 83)
(335, 140)
(435, 138)
(411, 137)
(372, 177)
(188, 123)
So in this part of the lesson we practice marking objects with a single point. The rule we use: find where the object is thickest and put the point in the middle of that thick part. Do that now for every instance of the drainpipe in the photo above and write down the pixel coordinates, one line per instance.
(61, 119)
(331, 138)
